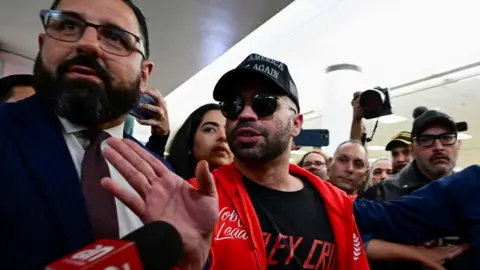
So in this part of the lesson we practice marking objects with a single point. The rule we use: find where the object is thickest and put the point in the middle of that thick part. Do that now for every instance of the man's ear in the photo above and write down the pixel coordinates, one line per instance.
(329, 162)
(297, 124)
(411, 148)
(147, 68)
(41, 39)
(367, 175)
(459, 144)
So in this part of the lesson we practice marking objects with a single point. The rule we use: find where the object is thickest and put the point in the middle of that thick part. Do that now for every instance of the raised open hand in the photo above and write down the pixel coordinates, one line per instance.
(165, 196)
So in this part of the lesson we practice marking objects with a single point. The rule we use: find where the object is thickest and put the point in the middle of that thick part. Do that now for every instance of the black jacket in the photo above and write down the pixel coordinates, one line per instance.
(408, 180)
(403, 183)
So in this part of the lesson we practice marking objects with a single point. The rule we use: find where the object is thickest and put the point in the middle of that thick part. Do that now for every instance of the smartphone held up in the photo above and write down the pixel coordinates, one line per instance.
(312, 138)
(141, 113)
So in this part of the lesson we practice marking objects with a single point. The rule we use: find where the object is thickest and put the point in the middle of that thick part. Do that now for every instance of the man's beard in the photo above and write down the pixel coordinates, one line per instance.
(84, 102)
(271, 147)
(436, 172)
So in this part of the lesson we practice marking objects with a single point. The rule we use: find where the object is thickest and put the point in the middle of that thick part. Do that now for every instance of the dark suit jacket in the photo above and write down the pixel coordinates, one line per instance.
(43, 214)
(404, 183)
(447, 206)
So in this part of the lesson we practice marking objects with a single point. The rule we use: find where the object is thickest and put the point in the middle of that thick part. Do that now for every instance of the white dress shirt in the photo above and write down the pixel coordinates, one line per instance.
(77, 144)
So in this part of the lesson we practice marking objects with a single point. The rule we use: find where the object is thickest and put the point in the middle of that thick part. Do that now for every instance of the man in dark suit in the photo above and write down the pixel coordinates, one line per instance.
(17, 87)
(93, 62)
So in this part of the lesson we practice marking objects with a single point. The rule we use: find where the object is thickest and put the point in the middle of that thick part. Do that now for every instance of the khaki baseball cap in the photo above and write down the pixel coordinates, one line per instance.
(403, 137)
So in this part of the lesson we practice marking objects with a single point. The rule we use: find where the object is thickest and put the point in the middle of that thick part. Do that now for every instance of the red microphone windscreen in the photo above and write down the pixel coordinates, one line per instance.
(155, 246)
(103, 254)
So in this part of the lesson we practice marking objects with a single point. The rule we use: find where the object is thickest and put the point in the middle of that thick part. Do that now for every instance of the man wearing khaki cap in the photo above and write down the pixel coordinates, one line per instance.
(400, 147)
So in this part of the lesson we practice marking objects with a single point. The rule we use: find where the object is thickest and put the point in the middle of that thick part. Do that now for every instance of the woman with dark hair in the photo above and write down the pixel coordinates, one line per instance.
(201, 137)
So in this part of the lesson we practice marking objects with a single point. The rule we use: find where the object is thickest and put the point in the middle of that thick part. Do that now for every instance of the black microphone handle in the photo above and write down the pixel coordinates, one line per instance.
(159, 245)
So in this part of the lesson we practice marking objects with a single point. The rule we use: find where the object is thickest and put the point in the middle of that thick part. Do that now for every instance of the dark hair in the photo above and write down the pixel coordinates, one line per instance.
(180, 153)
(8, 83)
(142, 21)
(300, 163)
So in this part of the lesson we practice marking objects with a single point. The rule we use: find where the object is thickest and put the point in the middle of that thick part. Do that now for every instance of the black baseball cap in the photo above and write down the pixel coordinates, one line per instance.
(403, 138)
(256, 65)
(434, 117)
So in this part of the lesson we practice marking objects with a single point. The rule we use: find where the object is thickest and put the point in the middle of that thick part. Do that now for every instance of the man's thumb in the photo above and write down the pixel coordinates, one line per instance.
(205, 181)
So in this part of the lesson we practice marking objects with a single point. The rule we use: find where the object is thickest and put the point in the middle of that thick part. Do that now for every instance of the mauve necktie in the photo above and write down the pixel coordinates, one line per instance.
(100, 203)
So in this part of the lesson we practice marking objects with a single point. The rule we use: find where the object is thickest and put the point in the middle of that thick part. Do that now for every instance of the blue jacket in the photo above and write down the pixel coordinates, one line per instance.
(43, 214)
(448, 206)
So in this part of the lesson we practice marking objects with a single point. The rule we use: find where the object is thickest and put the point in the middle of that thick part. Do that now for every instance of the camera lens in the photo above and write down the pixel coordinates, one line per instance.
(371, 100)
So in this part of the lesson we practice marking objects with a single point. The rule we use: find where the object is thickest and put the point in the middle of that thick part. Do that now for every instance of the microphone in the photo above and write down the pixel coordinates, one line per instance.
(155, 246)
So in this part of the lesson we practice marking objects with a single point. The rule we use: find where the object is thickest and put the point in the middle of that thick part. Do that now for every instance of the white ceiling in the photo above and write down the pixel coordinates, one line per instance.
(394, 42)
(460, 100)
(185, 35)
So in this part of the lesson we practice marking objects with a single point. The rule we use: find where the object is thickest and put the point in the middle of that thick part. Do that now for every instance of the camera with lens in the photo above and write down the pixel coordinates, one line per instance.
(375, 103)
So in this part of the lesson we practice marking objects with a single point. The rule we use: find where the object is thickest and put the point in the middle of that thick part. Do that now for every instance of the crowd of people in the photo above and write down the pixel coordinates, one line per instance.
(72, 172)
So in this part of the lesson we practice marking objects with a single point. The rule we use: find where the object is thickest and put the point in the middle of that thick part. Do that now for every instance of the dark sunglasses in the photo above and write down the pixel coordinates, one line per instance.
(263, 105)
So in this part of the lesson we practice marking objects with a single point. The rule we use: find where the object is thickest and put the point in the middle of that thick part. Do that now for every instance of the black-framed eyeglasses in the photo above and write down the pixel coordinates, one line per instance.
(70, 27)
(263, 105)
(428, 140)
(315, 163)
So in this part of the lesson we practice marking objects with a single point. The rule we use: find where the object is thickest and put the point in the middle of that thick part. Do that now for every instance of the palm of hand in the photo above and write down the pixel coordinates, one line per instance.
(193, 214)
(165, 196)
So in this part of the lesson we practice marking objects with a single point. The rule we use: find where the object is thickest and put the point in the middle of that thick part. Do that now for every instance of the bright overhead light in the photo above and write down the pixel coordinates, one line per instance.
(391, 119)
(298, 152)
(376, 148)
(463, 136)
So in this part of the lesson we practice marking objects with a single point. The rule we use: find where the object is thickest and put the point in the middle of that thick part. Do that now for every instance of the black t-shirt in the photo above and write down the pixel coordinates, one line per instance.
(295, 226)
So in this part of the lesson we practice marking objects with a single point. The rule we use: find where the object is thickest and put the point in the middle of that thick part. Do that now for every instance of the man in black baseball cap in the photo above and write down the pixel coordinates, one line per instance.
(400, 148)
(435, 145)
(251, 96)
(261, 104)
(434, 151)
